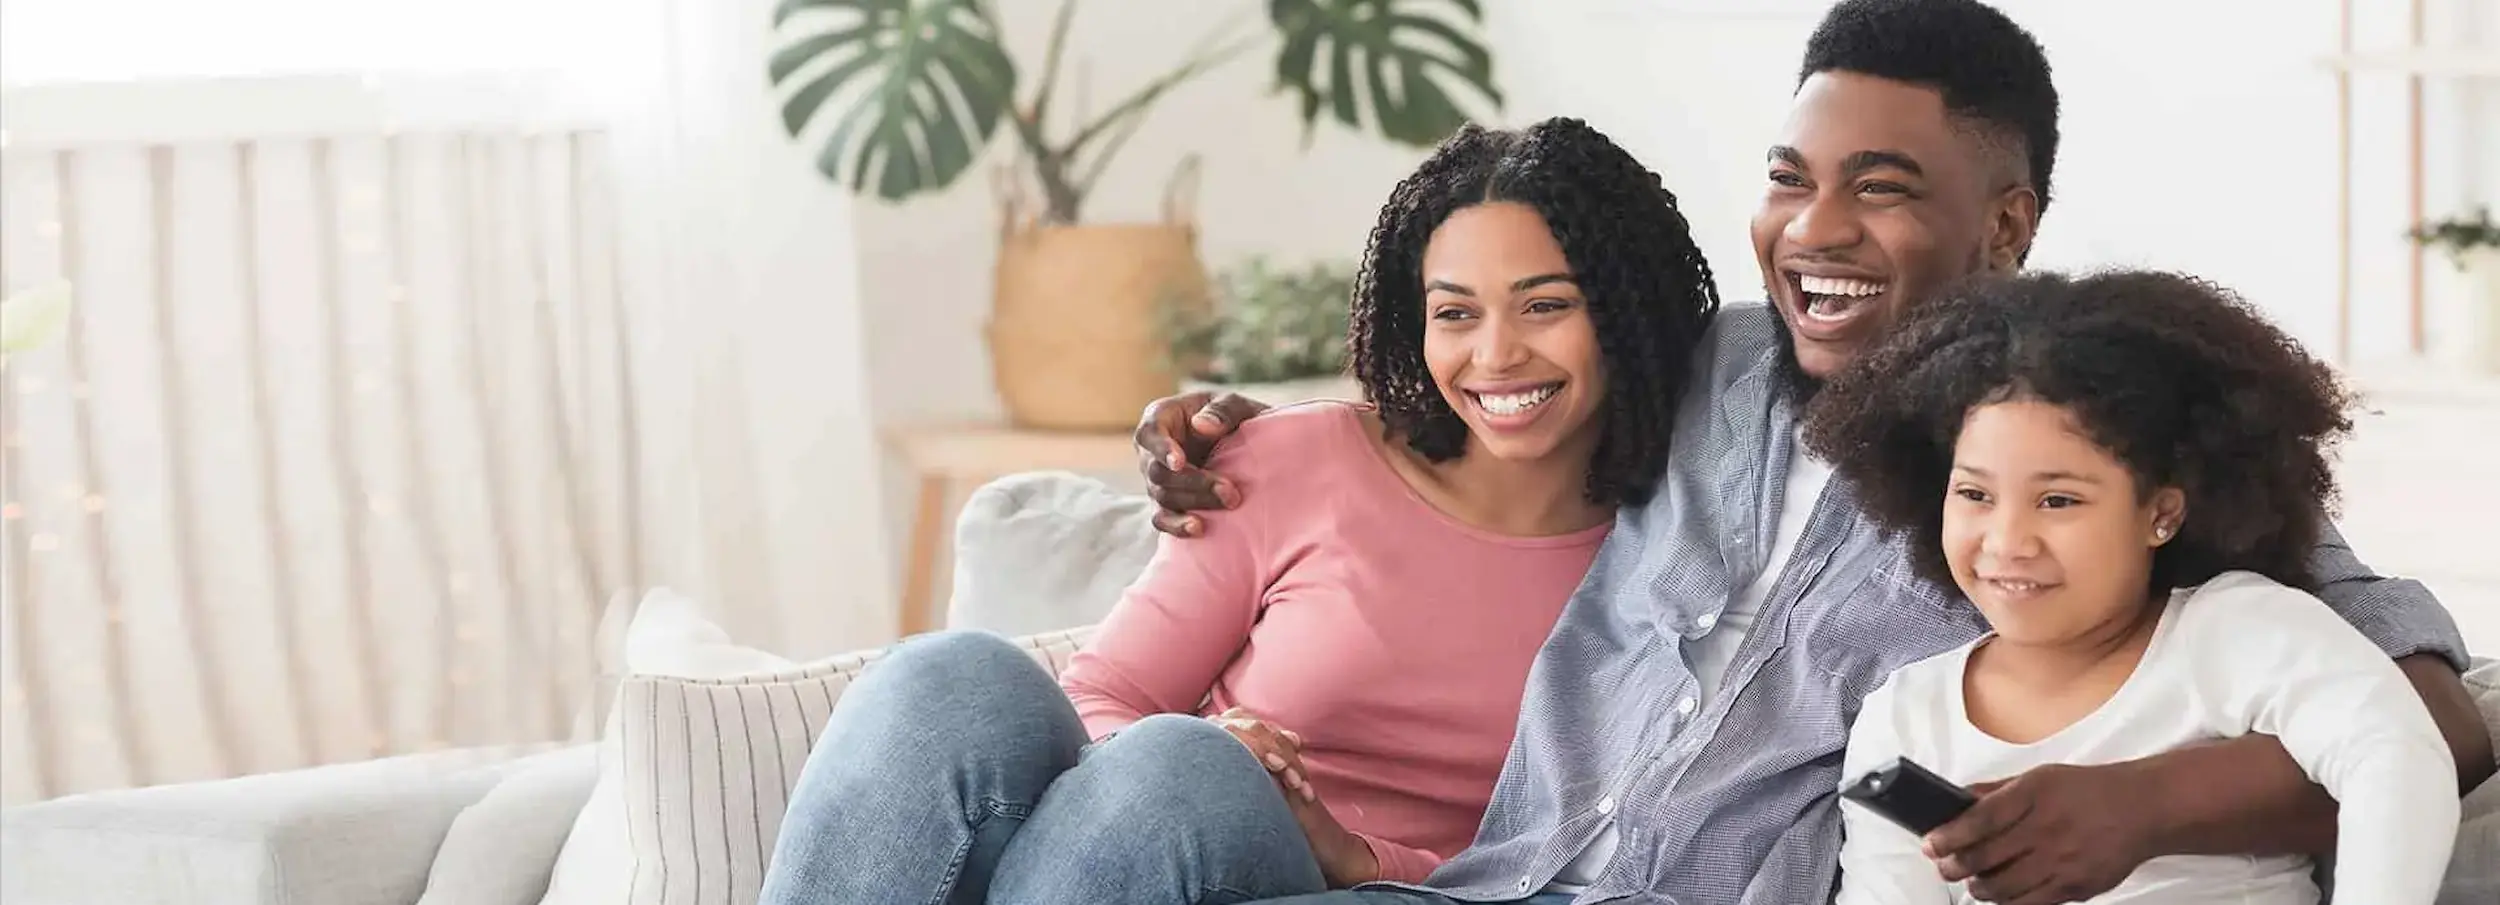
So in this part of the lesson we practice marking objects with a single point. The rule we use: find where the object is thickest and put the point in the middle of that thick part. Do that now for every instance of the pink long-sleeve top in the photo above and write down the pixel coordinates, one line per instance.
(1337, 603)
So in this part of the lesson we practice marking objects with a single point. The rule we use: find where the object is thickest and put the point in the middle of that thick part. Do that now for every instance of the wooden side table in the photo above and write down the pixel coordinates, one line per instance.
(945, 458)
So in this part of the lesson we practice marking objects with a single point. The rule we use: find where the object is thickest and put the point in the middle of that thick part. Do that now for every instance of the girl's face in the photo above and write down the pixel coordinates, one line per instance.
(2046, 531)
(1507, 334)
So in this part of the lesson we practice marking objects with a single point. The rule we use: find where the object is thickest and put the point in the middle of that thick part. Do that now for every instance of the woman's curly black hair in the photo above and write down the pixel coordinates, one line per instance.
(1630, 250)
(2178, 378)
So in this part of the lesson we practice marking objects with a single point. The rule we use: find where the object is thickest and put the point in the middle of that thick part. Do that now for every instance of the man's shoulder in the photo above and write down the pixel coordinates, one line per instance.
(1744, 338)
(1742, 330)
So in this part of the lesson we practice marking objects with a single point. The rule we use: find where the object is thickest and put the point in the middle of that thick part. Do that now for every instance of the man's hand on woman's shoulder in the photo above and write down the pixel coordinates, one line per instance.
(1174, 439)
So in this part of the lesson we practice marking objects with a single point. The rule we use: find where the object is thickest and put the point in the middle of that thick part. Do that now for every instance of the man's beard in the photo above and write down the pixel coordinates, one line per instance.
(1789, 374)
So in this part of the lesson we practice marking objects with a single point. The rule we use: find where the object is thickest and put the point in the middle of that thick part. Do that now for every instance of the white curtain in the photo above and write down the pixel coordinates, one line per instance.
(357, 431)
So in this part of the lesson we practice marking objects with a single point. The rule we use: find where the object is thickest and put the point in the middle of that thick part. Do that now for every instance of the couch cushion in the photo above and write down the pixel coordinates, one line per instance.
(501, 850)
(2474, 866)
(1046, 551)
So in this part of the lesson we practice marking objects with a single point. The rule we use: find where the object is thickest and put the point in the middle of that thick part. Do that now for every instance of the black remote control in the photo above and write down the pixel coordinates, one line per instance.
(1907, 794)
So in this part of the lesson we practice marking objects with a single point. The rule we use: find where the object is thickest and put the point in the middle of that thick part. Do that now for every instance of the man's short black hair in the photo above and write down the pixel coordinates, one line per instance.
(1990, 71)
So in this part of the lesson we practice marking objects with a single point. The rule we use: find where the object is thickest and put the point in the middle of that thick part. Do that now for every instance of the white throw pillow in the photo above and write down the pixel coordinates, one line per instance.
(501, 850)
(669, 634)
(708, 767)
(1046, 551)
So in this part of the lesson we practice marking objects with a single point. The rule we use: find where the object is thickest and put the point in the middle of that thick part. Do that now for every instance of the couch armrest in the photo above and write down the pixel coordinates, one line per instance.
(348, 834)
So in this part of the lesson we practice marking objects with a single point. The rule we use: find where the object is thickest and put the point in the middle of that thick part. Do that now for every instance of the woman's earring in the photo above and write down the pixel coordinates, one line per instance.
(2161, 534)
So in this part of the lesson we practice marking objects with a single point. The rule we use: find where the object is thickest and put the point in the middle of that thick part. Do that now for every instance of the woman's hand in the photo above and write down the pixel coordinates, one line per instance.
(1278, 749)
(1344, 858)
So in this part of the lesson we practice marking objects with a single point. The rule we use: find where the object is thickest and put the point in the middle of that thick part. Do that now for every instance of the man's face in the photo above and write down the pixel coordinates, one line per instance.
(1875, 200)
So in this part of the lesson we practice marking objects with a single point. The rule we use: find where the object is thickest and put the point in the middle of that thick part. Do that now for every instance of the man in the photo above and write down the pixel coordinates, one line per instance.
(1681, 735)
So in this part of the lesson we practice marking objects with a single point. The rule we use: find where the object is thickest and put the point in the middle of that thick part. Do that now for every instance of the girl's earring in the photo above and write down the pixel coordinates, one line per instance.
(2161, 534)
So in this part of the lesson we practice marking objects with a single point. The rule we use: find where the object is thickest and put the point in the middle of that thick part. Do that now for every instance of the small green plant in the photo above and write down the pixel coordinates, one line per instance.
(2458, 237)
(1269, 323)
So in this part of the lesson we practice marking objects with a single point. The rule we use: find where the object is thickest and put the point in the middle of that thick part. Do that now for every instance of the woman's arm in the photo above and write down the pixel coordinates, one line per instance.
(1182, 622)
(1396, 863)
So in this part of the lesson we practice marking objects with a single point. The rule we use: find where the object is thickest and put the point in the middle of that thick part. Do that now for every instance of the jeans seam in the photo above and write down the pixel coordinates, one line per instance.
(976, 818)
(1214, 888)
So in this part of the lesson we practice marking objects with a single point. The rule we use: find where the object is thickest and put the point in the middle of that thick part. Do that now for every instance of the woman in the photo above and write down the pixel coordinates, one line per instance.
(2126, 474)
(1321, 689)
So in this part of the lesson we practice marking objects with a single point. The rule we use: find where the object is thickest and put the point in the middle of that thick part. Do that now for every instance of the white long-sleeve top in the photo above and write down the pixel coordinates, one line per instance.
(2239, 655)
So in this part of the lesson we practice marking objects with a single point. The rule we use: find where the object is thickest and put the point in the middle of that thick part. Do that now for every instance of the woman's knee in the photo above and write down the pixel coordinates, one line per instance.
(957, 690)
(1176, 760)
(1170, 803)
(959, 668)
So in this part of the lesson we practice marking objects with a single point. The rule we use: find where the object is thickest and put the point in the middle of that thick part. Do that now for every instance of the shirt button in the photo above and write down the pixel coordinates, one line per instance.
(1605, 805)
(1685, 706)
(1706, 620)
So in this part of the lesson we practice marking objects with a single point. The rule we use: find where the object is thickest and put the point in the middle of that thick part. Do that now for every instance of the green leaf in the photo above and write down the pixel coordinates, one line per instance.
(1410, 59)
(914, 88)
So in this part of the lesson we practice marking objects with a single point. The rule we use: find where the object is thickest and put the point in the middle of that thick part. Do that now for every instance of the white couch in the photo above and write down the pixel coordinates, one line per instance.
(485, 826)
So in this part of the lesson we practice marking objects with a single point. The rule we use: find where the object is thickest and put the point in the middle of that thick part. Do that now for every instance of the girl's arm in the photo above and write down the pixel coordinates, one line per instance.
(2275, 661)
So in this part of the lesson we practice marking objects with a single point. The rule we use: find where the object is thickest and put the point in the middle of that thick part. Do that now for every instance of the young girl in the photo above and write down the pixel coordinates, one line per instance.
(2124, 472)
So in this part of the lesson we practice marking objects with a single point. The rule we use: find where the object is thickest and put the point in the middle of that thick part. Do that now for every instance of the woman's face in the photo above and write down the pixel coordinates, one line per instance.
(1507, 334)
(2044, 529)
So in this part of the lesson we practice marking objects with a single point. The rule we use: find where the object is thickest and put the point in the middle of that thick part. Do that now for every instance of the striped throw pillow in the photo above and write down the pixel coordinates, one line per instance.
(708, 765)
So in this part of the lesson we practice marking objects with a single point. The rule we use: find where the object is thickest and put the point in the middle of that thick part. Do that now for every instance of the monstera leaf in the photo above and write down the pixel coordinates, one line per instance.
(1404, 56)
(922, 83)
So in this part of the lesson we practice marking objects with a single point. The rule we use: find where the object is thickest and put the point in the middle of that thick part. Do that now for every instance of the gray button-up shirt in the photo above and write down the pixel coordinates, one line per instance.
(1735, 802)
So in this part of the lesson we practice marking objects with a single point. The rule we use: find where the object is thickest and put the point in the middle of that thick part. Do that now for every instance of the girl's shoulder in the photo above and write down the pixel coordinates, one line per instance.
(2255, 618)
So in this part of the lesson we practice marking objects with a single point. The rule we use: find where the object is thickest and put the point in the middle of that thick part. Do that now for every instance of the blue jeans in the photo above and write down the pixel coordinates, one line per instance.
(956, 772)
(1404, 897)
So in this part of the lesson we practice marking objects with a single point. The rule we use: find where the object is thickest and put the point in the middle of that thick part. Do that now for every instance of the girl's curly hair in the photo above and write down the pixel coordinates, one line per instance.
(2176, 377)
(1630, 250)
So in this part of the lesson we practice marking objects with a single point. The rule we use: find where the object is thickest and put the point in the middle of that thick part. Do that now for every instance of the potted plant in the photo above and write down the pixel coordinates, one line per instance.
(907, 93)
(2473, 245)
(1275, 334)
